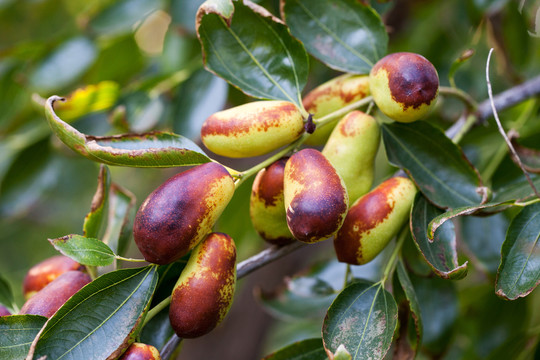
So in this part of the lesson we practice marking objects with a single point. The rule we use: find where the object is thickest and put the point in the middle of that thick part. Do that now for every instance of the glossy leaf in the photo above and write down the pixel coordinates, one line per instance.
(94, 219)
(436, 164)
(88, 99)
(309, 349)
(344, 34)
(86, 251)
(516, 189)
(6, 295)
(252, 50)
(17, 333)
(120, 217)
(438, 302)
(440, 253)
(409, 297)
(199, 97)
(107, 312)
(363, 318)
(155, 149)
(64, 65)
(519, 271)
(484, 237)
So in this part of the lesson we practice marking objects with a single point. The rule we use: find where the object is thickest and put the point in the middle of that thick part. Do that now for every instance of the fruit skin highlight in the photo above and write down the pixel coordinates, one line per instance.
(267, 206)
(351, 149)
(49, 299)
(252, 129)
(46, 271)
(404, 86)
(176, 216)
(204, 292)
(316, 199)
(140, 351)
(331, 96)
(373, 220)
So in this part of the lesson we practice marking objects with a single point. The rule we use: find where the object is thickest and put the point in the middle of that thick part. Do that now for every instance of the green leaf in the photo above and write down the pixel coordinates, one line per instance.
(158, 330)
(108, 312)
(344, 34)
(519, 271)
(309, 349)
(440, 253)
(436, 164)
(363, 318)
(17, 332)
(408, 296)
(121, 213)
(64, 65)
(155, 149)
(86, 251)
(438, 302)
(516, 189)
(484, 237)
(94, 219)
(199, 97)
(252, 50)
(6, 295)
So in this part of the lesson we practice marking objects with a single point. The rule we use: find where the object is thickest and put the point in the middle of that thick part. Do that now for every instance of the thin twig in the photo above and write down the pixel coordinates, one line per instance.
(501, 129)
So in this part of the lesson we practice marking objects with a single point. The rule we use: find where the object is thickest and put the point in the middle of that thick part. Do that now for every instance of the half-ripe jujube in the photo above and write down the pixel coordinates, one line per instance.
(332, 96)
(139, 351)
(252, 129)
(316, 199)
(267, 206)
(404, 86)
(176, 216)
(204, 292)
(373, 220)
(46, 271)
(351, 149)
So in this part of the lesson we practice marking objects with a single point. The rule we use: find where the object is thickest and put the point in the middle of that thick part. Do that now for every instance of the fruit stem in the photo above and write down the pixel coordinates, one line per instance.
(390, 265)
(243, 176)
(157, 309)
(92, 271)
(118, 257)
(460, 94)
(347, 275)
(471, 120)
(343, 111)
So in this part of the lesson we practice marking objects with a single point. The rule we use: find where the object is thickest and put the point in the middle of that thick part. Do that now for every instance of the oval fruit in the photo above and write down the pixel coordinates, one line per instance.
(4, 311)
(46, 271)
(373, 220)
(176, 216)
(267, 207)
(204, 292)
(351, 149)
(49, 299)
(331, 96)
(139, 351)
(404, 86)
(252, 129)
(316, 199)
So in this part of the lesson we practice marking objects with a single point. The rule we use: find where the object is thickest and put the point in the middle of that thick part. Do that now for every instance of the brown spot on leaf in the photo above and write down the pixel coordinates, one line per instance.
(412, 79)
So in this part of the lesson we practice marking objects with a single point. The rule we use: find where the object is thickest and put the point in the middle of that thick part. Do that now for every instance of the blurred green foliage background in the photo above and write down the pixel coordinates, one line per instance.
(149, 49)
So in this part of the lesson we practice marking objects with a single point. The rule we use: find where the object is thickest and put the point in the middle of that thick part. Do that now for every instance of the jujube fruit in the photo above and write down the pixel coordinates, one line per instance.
(139, 351)
(49, 299)
(176, 216)
(332, 96)
(373, 220)
(46, 271)
(404, 86)
(351, 149)
(316, 199)
(204, 292)
(267, 207)
(252, 129)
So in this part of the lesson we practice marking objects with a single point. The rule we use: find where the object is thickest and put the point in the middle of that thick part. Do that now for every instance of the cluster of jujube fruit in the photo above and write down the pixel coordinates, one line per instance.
(310, 196)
